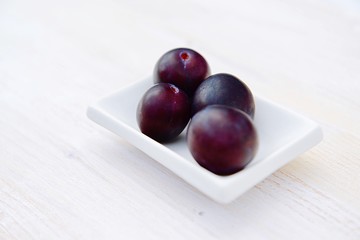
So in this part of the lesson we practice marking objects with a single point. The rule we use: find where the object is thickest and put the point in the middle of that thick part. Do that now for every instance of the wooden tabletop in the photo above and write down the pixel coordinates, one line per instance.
(64, 177)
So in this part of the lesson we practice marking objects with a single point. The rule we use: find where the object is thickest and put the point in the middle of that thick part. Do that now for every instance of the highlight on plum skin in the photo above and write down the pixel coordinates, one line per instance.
(163, 112)
(182, 67)
(224, 89)
(222, 139)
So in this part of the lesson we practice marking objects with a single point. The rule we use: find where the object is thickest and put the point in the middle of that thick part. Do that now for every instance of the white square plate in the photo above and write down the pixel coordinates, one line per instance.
(283, 135)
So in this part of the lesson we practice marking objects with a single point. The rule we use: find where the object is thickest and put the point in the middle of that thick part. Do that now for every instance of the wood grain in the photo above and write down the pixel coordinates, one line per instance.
(63, 177)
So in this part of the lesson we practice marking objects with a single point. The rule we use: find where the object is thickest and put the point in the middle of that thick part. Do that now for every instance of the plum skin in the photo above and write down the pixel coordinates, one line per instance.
(222, 139)
(163, 112)
(183, 67)
(224, 89)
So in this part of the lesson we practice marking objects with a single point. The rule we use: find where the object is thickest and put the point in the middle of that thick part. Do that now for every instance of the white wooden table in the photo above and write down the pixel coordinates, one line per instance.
(64, 177)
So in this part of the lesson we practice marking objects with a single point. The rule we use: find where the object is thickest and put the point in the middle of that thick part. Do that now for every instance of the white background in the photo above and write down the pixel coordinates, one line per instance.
(64, 177)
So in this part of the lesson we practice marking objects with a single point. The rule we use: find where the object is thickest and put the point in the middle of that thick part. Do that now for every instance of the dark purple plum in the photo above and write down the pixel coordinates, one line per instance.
(163, 112)
(183, 67)
(224, 89)
(222, 139)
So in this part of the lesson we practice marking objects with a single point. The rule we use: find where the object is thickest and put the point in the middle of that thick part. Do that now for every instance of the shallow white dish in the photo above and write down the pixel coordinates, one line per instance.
(283, 135)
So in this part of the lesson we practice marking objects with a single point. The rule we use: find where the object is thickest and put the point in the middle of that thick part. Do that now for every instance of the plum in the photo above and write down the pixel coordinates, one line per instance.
(222, 139)
(163, 112)
(224, 89)
(183, 67)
